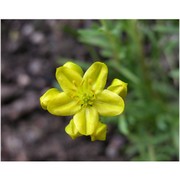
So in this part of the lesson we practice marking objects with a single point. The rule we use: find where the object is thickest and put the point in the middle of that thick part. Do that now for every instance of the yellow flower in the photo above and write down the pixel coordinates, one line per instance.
(84, 97)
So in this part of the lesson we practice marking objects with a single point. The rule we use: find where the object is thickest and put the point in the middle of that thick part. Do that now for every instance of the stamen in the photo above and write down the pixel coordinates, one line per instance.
(85, 95)
(74, 82)
(89, 81)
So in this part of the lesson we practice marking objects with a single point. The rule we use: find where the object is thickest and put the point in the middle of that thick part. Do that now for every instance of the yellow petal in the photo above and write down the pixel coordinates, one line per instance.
(63, 105)
(48, 96)
(108, 103)
(71, 130)
(68, 78)
(96, 75)
(74, 67)
(100, 132)
(86, 120)
(119, 87)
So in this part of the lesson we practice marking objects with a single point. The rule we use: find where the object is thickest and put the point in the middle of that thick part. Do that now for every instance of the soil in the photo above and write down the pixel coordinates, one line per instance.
(30, 53)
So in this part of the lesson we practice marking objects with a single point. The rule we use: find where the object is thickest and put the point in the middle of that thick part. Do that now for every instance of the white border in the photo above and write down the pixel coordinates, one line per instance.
(89, 170)
(94, 9)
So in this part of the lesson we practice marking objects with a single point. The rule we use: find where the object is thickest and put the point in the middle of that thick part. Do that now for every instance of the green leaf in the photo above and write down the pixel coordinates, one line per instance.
(175, 73)
(93, 37)
(123, 125)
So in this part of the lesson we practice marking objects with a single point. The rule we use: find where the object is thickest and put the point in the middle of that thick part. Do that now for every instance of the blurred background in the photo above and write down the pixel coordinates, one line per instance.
(143, 53)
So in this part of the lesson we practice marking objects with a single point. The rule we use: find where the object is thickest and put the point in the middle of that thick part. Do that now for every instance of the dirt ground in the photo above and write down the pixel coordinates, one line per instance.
(30, 50)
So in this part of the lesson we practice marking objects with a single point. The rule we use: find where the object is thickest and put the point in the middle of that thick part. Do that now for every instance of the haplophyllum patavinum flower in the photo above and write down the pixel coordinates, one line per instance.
(84, 97)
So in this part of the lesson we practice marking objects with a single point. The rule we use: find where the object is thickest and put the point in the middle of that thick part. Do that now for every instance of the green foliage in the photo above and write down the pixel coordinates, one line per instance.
(143, 53)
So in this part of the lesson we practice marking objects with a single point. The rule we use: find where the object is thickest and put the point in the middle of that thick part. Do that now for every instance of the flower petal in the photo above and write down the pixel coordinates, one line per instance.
(100, 132)
(63, 105)
(86, 120)
(71, 130)
(96, 75)
(68, 78)
(74, 67)
(48, 96)
(108, 103)
(119, 87)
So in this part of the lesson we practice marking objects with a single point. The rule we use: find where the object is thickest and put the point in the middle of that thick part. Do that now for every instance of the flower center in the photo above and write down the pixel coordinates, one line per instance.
(87, 98)
(85, 94)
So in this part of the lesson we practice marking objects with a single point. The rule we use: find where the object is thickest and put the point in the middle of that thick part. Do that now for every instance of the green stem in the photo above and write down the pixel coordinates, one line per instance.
(137, 38)
(112, 40)
(151, 152)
